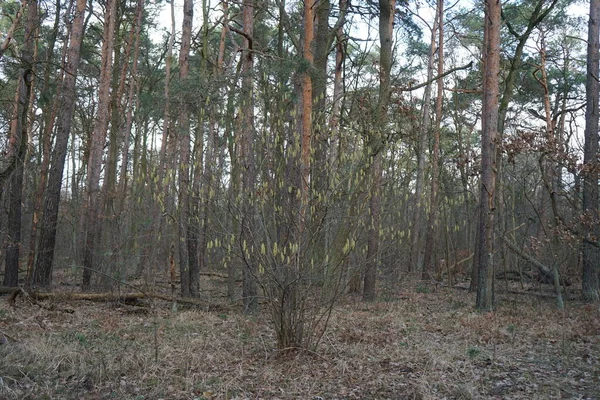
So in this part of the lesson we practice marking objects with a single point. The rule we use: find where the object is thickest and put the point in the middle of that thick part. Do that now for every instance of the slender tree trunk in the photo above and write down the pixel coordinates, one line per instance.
(372, 261)
(386, 31)
(97, 141)
(428, 259)
(11, 30)
(485, 240)
(163, 197)
(167, 98)
(43, 269)
(250, 271)
(45, 129)
(233, 141)
(548, 168)
(116, 120)
(515, 63)
(131, 100)
(306, 118)
(320, 132)
(19, 134)
(338, 93)
(590, 249)
(189, 273)
(417, 249)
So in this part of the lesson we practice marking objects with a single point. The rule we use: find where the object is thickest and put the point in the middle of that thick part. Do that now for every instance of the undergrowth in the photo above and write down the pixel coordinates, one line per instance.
(414, 345)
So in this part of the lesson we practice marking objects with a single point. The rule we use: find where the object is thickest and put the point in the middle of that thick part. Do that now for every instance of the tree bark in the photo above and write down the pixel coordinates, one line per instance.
(338, 93)
(428, 258)
(132, 97)
(417, 249)
(387, 10)
(11, 30)
(45, 130)
(485, 241)
(19, 133)
(97, 141)
(591, 224)
(250, 269)
(189, 273)
(42, 275)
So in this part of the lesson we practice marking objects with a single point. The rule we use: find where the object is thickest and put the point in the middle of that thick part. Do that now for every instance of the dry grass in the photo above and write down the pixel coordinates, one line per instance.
(411, 346)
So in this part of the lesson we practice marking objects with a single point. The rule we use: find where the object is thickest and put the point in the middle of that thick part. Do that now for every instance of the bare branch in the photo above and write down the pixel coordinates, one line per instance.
(435, 78)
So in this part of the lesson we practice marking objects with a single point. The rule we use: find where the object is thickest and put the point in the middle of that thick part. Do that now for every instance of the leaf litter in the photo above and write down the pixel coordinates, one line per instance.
(410, 346)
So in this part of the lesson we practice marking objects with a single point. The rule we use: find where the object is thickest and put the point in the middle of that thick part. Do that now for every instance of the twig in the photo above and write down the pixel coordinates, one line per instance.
(7, 336)
(435, 78)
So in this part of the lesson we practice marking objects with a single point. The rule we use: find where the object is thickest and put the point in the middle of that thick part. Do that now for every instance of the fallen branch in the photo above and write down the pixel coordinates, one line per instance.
(546, 272)
(17, 291)
(214, 274)
(6, 337)
(104, 297)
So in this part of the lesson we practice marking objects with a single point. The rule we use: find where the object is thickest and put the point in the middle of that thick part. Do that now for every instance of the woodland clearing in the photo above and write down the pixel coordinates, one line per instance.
(415, 342)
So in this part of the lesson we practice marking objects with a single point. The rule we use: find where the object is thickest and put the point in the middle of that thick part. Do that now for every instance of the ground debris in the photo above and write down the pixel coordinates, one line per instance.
(421, 346)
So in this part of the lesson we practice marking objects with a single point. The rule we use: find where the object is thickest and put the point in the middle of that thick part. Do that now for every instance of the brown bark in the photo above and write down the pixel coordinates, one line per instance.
(9, 35)
(250, 270)
(307, 109)
(320, 141)
(485, 262)
(116, 122)
(45, 129)
(375, 146)
(43, 269)
(167, 112)
(131, 100)
(591, 217)
(97, 141)
(428, 259)
(417, 248)
(19, 136)
(188, 272)
(338, 93)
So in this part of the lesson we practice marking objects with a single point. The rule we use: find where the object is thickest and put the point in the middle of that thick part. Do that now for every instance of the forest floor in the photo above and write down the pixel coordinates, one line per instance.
(416, 342)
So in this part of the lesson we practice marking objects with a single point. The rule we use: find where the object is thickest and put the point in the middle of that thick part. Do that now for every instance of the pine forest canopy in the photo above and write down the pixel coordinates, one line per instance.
(309, 149)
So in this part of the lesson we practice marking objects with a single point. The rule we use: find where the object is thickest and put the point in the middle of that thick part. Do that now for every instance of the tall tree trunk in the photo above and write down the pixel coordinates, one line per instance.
(132, 97)
(43, 269)
(320, 140)
(49, 115)
(163, 198)
(338, 93)
(250, 271)
(590, 243)
(189, 273)
(306, 118)
(19, 133)
(97, 141)
(485, 239)
(515, 62)
(417, 249)
(548, 169)
(387, 10)
(428, 259)
(116, 120)
(167, 98)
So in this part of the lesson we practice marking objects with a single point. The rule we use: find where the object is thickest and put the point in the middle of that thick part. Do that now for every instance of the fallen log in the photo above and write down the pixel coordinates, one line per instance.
(105, 297)
(546, 275)
(214, 274)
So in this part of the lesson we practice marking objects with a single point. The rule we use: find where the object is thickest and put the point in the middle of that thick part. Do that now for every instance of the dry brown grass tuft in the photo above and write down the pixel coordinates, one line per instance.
(412, 346)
